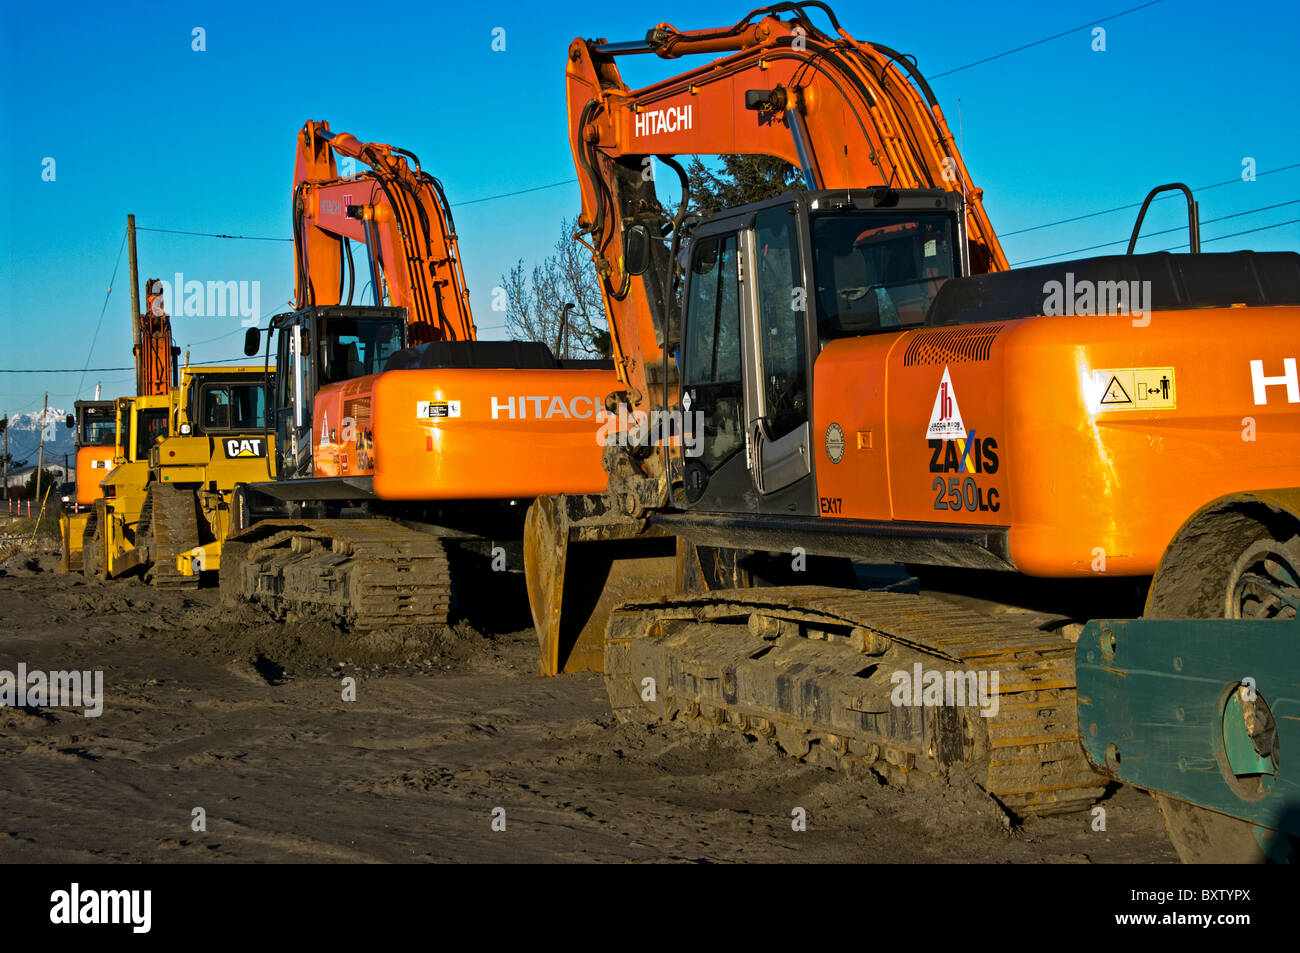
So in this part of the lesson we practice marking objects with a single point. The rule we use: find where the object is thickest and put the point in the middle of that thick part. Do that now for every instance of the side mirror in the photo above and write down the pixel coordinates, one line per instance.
(252, 342)
(71, 421)
(636, 249)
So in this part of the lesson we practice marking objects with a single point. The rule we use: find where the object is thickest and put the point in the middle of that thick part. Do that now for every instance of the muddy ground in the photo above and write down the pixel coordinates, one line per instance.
(231, 712)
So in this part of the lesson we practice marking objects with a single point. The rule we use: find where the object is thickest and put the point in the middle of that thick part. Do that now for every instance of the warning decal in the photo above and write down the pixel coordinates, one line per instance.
(437, 409)
(1133, 388)
(945, 418)
(1115, 393)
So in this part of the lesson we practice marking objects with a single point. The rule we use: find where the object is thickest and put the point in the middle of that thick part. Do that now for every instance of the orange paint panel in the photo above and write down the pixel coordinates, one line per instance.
(849, 389)
(1082, 481)
(93, 464)
(466, 434)
(342, 428)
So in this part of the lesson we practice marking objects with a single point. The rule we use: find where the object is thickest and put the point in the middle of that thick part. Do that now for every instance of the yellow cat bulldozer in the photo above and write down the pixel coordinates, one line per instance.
(166, 504)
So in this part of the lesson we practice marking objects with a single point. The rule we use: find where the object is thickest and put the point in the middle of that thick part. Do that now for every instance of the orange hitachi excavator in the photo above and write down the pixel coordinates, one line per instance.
(857, 378)
(397, 433)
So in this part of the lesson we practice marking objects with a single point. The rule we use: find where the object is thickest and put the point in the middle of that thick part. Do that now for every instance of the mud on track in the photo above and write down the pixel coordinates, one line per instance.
(242, 716)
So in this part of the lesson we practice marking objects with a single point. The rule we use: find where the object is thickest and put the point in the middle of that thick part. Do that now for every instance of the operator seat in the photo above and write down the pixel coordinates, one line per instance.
(346, 362)
(854, 308)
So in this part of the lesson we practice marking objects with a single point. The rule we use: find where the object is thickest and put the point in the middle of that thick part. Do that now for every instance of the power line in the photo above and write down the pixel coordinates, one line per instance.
(506, 195)
(30, 403)
(77, 370)
(102, 311)
(1249, 231)
(1121, 208)
(62, 370)
(263, 238)
(1163, 231)
(247, 238)
(235, 331)
(1046, 39)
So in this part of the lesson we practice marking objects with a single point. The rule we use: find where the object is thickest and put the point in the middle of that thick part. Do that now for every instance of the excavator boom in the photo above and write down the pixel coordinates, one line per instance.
(401, 218)
(847, 114)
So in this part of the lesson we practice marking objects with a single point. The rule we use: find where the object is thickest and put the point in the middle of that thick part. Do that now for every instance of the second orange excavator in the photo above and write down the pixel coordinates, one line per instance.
(398, 434)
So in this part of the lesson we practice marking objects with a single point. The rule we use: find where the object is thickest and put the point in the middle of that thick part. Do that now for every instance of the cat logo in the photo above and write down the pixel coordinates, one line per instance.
(245, 447)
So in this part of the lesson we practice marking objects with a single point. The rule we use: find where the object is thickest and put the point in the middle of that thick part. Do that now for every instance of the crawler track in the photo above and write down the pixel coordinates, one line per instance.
(813, 669)
(171, 517)
(368, 573)
(92, 545)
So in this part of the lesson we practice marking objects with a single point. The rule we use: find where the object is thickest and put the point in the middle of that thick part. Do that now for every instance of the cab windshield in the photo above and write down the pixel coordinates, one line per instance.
(354, 348)
(98, 426)
(235, 407)
(877, 271)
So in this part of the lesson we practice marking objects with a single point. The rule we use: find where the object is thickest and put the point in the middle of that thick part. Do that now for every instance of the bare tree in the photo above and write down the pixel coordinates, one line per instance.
(536, 301)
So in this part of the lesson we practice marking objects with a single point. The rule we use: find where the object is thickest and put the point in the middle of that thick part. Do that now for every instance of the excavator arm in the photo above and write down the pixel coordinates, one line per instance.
(848, 114)
(154, 349)
(857, 119)
(401, 218)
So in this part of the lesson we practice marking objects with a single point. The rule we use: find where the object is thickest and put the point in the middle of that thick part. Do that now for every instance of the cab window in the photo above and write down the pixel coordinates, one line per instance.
(712, 372)
(150, 425)
(233, 407)
(98, 427)
(352, 348)
(781, 321)
(877, 271)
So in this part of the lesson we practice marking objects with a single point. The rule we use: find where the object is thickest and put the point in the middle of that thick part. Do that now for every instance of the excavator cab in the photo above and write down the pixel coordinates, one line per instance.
(319, 347)
(769, 284)
(95, 430)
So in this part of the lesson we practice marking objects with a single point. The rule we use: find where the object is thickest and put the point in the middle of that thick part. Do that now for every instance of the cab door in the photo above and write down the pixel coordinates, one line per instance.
(293, 398)
(715, 455)
(778, 402)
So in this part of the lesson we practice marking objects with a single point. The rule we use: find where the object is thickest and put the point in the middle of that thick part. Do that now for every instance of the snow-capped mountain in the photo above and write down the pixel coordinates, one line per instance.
(25, 436)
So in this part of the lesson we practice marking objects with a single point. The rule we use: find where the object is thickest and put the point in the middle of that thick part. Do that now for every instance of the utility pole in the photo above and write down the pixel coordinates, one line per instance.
(4, 426)
(40, 454)
(135, 303)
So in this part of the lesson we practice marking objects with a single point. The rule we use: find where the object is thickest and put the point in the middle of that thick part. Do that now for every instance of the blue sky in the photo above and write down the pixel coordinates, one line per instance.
(137, 121)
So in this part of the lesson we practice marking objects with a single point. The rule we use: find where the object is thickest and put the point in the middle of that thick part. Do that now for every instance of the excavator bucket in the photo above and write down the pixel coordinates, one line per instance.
(578, 568)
